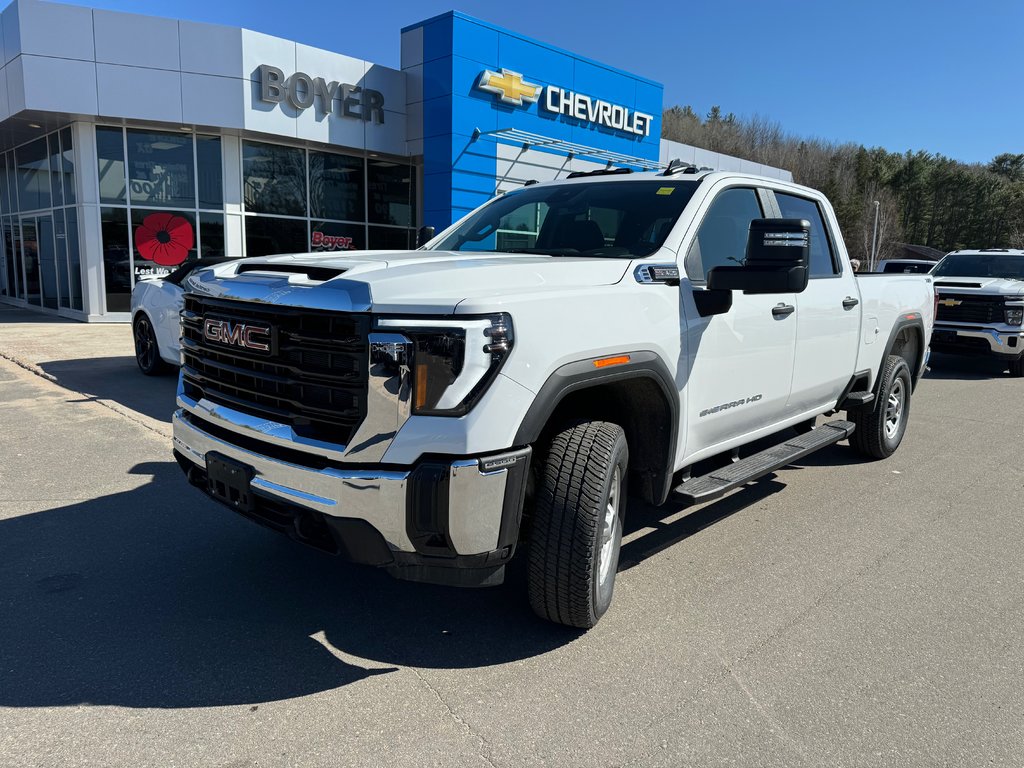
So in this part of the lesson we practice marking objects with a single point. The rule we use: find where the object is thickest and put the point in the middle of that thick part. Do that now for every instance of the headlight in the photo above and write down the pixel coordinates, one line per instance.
(453, 360)
(1014, 315)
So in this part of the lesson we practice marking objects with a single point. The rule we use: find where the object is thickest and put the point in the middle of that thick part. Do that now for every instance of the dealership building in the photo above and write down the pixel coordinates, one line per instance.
(130, 144)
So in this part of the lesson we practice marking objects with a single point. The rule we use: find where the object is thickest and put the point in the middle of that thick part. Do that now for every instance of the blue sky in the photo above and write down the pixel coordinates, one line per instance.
(940, 76)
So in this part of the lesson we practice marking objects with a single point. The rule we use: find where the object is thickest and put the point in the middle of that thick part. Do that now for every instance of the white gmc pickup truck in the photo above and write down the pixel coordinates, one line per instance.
(506, 385)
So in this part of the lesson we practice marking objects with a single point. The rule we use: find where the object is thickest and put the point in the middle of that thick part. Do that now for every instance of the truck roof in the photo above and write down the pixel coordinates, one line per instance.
(700, 174)
(986, 251)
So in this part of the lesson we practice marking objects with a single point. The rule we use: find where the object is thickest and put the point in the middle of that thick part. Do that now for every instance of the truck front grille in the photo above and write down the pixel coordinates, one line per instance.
(313, 377)
(971, 309)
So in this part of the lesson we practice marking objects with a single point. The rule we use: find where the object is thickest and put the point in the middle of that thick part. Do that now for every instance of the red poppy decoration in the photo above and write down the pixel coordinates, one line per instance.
(164, 238)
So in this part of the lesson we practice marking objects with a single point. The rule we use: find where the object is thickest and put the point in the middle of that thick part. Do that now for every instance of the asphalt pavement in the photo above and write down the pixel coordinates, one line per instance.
(839, 613)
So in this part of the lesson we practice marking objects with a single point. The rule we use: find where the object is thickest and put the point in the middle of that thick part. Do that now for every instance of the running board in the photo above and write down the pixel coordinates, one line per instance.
(721, 481)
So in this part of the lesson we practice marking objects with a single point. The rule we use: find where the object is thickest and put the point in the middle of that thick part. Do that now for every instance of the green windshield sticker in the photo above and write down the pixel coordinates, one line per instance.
(666, 190)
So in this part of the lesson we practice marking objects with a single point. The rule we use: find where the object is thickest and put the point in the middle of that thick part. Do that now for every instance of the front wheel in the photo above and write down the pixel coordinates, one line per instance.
(577, 524)
(1017, 367)
(147, 352)
(880, 431)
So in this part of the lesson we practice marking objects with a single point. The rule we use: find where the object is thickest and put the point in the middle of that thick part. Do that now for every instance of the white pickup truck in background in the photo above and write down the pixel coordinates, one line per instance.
(980, 305)
(506, 386)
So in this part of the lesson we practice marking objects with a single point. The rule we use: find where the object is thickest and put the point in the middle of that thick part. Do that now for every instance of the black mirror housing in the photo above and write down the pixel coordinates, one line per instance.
(777, 259)
(424, 235)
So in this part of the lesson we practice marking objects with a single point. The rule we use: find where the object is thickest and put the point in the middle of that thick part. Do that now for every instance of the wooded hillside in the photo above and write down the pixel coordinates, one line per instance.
(924, 199)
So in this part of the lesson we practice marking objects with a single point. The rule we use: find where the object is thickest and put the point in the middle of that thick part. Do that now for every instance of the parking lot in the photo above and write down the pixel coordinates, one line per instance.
(840, 613)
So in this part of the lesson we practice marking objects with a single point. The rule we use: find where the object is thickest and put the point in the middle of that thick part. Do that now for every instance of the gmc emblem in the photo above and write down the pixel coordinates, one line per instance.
(254, 337)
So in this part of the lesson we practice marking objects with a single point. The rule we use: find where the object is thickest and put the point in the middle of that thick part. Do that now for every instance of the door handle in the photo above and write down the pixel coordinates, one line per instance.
(849, 302)
(783, 310)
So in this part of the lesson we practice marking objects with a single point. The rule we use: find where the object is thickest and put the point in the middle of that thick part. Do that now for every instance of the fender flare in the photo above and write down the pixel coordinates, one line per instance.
(582, 374)
(914, 321)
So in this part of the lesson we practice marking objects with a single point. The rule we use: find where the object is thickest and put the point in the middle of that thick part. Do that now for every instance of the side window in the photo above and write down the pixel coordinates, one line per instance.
(823, 262)
(722, 236)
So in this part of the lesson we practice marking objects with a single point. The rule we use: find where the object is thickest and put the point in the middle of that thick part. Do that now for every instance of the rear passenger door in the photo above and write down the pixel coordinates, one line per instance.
(740, 362)
(827, 313)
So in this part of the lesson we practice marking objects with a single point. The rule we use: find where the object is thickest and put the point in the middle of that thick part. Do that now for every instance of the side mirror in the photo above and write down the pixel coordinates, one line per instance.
(424, 236)
(777, 259)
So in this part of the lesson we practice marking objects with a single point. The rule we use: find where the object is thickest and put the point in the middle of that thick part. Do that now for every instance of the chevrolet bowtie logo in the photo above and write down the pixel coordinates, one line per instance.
(950, 302)
(509, 86)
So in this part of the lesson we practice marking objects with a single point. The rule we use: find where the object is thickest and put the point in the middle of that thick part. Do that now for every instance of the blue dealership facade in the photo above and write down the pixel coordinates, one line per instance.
(543, 96)
(238, 143)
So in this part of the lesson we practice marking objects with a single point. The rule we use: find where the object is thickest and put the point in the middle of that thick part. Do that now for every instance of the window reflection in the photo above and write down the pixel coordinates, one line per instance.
(161, 169)
(33, 172)
(274, 179)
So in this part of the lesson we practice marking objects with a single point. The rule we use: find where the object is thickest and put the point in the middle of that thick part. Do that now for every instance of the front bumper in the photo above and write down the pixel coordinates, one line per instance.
(453, 521)
(974, 340)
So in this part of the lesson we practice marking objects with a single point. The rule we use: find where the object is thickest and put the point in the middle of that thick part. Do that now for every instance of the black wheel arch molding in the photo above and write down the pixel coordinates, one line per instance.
(658, 421)
(914, 322)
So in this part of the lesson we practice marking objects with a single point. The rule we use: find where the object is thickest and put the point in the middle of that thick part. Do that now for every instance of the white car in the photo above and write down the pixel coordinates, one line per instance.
(156, 305)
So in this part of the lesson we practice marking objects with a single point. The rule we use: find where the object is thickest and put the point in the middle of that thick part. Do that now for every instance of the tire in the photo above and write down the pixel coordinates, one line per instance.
(880, 431)
(147, 351)
(577, 524)
(1017, 367)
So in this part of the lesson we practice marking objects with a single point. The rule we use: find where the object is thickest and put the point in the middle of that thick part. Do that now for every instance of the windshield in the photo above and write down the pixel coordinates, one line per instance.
(981, 265)
(625, 219)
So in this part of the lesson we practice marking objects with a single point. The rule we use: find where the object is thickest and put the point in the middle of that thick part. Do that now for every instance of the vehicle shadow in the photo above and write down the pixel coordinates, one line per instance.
(119, 380)
(665, 534)
(960, 368)
(157, 597)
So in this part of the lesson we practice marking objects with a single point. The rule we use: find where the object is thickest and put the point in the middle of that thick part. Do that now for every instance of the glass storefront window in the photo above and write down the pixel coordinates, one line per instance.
(74, 258)
(161, 169)
(47, 257)
(12, 182)
(337, 189)
(56, 193)
(60, 241)
(274, 179)
(30, 257)
(331, 236)
(211, 177)
(211, 234)
(33, 170)
(391, 192)
(265, 236)
(12, 247)
(391, 239)
(6, 206)
(67, 166)
(162, 240)
(117, 259)
(110, 152)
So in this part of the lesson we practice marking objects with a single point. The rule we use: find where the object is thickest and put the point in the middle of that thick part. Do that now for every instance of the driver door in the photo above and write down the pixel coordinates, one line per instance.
(739, 363)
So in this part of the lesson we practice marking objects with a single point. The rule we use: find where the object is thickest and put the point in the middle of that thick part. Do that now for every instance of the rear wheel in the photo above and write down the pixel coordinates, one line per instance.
(147, 351)
(880, 430)
(577, 524)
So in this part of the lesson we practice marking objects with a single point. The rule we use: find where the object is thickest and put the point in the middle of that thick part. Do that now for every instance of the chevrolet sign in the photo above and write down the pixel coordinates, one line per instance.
(512, 89)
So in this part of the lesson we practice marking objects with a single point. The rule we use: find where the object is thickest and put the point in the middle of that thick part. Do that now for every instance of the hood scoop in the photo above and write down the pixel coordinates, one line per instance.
(313, 274)
(944, 284)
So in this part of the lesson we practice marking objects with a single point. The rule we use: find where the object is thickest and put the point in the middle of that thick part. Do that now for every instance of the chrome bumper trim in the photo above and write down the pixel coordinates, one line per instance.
(380, 497)
(998, 341)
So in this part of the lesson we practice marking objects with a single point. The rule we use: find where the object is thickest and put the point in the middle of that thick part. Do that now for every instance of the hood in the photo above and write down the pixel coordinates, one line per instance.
(998, 286)
(409, 281)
